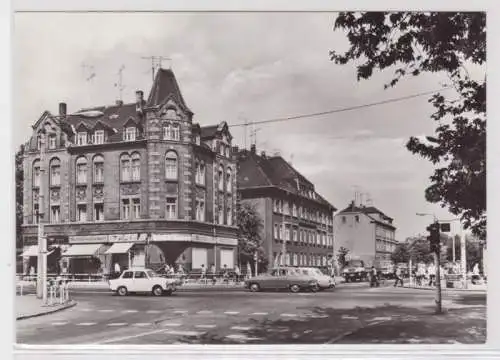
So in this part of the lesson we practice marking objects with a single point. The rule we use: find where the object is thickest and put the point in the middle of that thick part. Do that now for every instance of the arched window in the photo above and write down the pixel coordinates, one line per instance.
(55, 172)
(171, 169)
(98, 169)
(229, 180)
(81, 170)
(36, 173)
(221, 178)
(136, 167)
(125, 167)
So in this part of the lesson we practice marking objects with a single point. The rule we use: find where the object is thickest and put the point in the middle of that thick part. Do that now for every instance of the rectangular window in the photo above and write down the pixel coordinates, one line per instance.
(275, 205)
(81, 173)
(294, 210)
(39, 142)
(35, 213)
(294, 235)
(300, 211)
(81, 138)
(286, 208)
(229, 215)
(98, 137)
(176, 132)
(98, 172)
(98, 212)
(125, 215)
(221, 180)
(55, 175)
(129, 134)
(125, 170)
(55, 212)
(36, 176)
(197, 140)
(287, 233)
(281, 231)
(171, 208)
(221, 215)
(171, 168)
(200, 209)
(81, 212)
(276, 231)
(136, 169)
(136, 208)
(52, 142)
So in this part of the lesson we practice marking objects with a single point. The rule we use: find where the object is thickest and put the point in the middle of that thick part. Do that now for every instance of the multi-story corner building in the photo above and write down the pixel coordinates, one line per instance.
(367, 233)
(133, 184)
(297, 222)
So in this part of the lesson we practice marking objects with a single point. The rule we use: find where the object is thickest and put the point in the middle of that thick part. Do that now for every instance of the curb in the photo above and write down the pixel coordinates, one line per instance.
(70, 305)
(446, 289)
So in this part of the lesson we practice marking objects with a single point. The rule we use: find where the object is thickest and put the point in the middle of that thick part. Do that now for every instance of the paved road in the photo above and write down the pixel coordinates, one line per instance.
(228, 317)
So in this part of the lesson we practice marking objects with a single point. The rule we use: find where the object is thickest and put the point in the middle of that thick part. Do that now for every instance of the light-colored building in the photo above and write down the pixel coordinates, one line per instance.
(367, 233)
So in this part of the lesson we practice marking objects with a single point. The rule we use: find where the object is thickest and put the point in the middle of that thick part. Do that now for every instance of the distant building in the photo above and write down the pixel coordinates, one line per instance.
(133, 184)
(297, 220)
(367, 233)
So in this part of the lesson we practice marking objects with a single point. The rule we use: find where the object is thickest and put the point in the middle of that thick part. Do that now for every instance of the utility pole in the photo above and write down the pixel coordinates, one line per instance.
(155, 62)
(41, 288)
(435, 243)
(463, 257)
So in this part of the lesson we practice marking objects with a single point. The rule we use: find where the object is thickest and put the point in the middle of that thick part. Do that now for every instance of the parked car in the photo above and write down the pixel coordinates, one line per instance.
(355, 270)
(324, 281)
(139, 280)
(283, 278)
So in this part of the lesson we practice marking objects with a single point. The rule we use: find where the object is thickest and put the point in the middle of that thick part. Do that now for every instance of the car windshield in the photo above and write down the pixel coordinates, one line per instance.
(151, 273)
(317, 272)
(355, 263)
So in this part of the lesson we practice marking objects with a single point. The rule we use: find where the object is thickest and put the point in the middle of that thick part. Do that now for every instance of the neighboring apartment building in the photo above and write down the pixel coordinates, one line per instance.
(367, 233)
(297, 221)
(133, 184)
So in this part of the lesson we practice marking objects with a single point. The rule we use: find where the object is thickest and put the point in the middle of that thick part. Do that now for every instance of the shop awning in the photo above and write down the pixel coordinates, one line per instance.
(82, 250)
(119, 248)
(32, 250)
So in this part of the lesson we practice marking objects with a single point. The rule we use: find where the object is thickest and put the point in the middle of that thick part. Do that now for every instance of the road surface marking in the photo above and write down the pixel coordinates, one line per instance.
(106, 310)
(86, 309)
(180, 311)
(153, 311)
(171, 324)
(204, 312)
(131, 336)
(259, 313)
(241, 328)
(211, 326)
(381, 318)
(129, 311)
(86, 324)
(141, 324)
(241, 337)
(231, 312)
(288, 315)
(59, 323)
(349, 317)
(184, 333)
(117, 324)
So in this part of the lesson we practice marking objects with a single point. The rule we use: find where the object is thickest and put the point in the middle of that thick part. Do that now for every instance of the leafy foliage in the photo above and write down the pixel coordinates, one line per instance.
(420, 251)
(412, 43)
(401, 254)
(19, 196)
(341, 256)
(249, 235)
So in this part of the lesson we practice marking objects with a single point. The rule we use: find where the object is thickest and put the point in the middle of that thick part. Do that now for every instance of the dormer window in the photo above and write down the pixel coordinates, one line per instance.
(81, 138)
(171, 132)
(98, 137)
(129, 134)
(52, 141)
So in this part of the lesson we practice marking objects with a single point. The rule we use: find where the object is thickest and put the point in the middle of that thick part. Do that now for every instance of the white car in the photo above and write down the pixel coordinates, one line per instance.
(324, 281)
(137, 280)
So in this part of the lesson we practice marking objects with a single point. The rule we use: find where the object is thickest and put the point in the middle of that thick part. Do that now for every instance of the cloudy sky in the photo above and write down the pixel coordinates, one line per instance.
(237, 67)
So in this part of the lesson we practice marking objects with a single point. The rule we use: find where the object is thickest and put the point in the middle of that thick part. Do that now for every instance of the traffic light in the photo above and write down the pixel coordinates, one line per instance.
(434, 236)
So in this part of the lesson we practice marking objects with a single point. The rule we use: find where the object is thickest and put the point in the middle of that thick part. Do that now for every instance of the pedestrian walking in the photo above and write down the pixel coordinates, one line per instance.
(432, 275)
(398, 277)
(237, 273)
(203, 276)
(117, 270)
(374, 277)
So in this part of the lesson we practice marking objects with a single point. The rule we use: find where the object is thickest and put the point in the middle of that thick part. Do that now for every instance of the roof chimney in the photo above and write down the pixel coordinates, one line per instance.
(139, 101)
(263, 154)
(119, 102)
(62, 109)
(253, 148)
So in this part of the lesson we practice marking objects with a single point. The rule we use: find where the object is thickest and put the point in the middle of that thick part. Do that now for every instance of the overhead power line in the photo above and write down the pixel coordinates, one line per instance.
(350, 108)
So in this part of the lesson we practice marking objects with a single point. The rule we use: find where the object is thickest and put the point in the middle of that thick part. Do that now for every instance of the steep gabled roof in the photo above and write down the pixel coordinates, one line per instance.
(352, 208)
(208, 132)
(260, 171)
(165, 86)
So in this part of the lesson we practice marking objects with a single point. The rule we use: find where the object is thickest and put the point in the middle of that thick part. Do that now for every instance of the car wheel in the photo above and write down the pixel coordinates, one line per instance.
(254, 287)
(295, 288)
(122, 291)
(157, 291)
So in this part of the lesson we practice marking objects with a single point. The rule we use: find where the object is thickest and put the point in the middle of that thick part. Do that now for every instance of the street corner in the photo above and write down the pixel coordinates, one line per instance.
(31, 309)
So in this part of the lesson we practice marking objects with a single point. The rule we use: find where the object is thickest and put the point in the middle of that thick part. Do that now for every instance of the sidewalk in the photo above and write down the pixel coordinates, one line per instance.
(470, 287)
(28, 306)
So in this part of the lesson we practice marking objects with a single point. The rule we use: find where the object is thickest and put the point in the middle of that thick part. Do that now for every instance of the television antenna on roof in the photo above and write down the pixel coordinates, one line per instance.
(156, 63)
(88, 72)
(119, 84)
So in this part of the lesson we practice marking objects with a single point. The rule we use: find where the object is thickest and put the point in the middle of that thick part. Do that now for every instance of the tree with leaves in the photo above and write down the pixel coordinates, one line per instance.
(19, 196)
(412, 43)
(249, 236)
(420, 251)
(401, 254)
(341, 256)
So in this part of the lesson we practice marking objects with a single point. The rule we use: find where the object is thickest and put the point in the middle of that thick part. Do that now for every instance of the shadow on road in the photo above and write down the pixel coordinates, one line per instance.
(387, 324)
